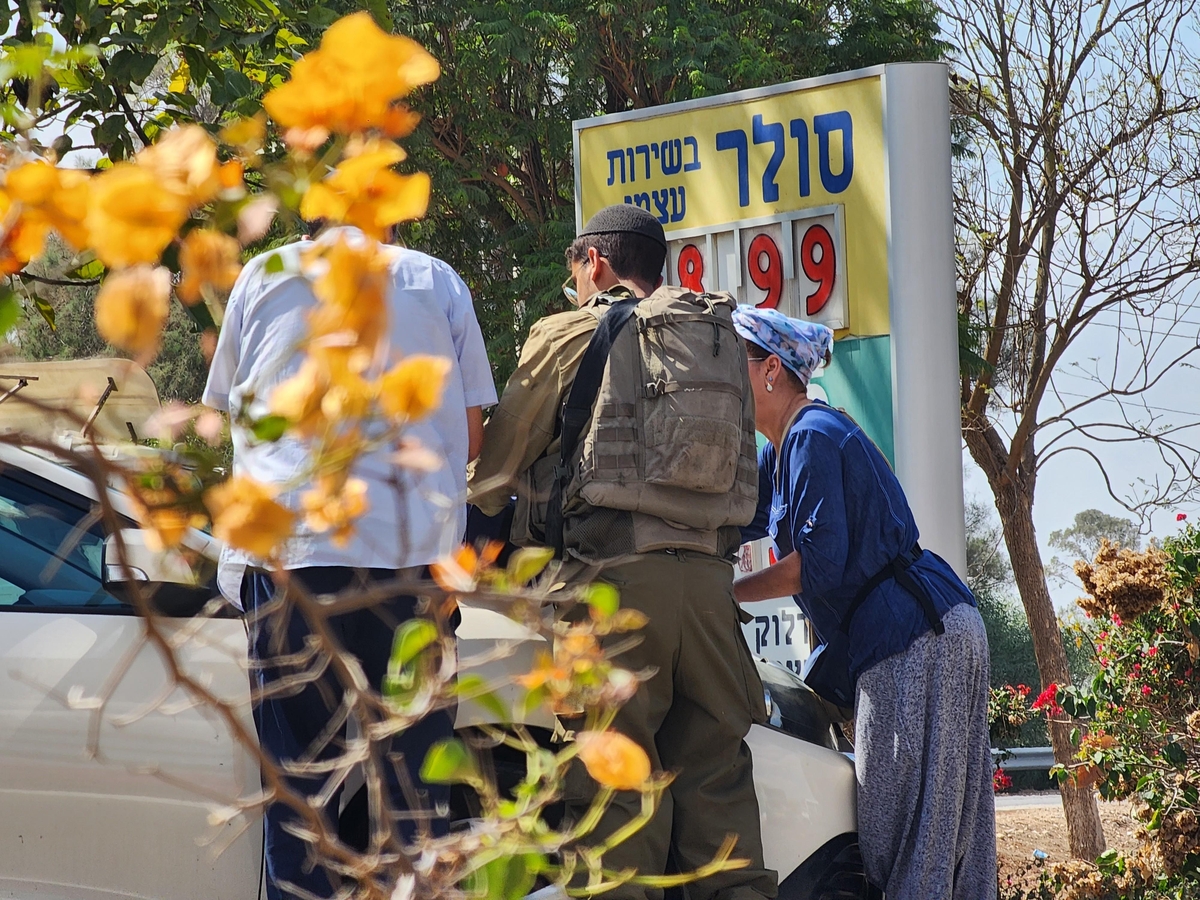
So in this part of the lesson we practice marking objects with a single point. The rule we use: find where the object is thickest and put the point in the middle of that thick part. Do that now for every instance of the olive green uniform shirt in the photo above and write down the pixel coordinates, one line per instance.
(523, 426)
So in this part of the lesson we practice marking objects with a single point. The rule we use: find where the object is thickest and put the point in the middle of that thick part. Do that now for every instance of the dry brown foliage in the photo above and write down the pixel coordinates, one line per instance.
(1123, 583)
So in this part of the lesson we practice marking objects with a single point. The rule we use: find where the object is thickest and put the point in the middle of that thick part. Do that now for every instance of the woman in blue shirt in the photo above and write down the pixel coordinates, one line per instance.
(904, 637)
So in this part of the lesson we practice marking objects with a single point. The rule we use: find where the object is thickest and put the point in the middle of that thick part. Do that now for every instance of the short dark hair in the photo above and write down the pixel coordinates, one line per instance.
(630, 255)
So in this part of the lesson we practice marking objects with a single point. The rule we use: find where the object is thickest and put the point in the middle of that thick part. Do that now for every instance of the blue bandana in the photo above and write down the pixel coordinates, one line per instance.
(801, 346)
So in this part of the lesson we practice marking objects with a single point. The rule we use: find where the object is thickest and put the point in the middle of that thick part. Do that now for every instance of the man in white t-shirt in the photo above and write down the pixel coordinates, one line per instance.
(414, 517)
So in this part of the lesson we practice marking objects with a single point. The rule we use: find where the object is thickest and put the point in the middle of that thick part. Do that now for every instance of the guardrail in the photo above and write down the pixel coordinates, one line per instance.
(1025, 759)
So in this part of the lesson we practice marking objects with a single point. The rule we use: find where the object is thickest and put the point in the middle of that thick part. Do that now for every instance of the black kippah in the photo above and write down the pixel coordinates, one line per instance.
(623, 218)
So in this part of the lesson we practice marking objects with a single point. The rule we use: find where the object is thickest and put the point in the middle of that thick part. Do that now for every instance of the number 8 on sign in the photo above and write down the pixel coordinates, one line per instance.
(691, 268)
(819, 261)
(766, 269)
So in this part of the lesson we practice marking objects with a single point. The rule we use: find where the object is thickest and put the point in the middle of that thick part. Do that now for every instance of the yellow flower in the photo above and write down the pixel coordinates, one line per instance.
(413, 387)
(298, 399)
(613, 760)
(349, 395)
(20, 239)
(246, 515)
(364, 191)
(246, 135)
(185, 163)
(132, 308)
(52, 198)
(165, 521)
(209, 258)
(333, 504)
(130, 217)
(461, 570)
(324, 391)
(232, 176)
(352, 289)
(544, 672)
(351, 81)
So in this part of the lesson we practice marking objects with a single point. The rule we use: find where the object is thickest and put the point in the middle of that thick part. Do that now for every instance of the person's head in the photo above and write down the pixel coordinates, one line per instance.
(783, 353)
(620, 244)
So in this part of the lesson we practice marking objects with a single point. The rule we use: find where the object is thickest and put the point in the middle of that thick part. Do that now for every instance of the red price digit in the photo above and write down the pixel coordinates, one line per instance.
(691, 268)
(766, 269)
(819, 260)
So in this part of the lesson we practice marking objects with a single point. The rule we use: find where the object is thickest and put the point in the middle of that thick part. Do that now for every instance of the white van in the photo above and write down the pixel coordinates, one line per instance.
(112, 802)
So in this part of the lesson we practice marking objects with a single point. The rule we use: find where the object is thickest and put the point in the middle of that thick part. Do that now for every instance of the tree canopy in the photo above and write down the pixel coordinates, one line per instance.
(497, 130)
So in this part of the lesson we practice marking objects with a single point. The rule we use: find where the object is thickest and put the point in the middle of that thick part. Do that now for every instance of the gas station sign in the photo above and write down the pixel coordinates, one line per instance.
(830, 200)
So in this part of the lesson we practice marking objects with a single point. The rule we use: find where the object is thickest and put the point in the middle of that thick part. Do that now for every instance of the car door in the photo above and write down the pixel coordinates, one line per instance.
(107, 774)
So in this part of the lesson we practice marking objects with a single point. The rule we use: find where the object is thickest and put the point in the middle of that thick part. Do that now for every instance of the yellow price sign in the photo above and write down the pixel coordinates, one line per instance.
(776, 195)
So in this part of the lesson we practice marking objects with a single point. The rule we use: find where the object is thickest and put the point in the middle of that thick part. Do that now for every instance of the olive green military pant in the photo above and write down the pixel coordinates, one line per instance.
(691, 718)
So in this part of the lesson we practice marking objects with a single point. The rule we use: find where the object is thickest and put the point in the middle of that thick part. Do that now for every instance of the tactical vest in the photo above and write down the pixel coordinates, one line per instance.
(658, 425)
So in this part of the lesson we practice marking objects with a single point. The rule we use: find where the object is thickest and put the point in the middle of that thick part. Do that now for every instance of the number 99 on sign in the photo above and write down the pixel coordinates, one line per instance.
(795, 265)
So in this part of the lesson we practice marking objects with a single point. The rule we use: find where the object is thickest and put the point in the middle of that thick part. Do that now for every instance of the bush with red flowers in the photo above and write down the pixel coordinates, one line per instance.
(1139, 732)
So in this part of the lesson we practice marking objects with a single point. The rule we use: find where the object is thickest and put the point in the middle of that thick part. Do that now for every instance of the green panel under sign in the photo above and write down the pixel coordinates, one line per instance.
(859, 380)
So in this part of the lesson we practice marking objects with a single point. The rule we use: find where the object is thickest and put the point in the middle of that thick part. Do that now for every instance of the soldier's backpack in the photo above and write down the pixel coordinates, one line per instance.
(660, 418)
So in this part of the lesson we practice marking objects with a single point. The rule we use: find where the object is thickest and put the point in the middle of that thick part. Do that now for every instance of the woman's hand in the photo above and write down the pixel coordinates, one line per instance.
(779, 580)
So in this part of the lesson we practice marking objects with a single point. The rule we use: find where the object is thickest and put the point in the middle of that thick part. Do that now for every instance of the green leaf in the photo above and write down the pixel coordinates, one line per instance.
(603, 598)
(1075, 737)
(411, 638)
(46, 311)
(269, 428)
(473, 687)
(1175, 755)
(449, 762)
(10, 310)
(507, 878)
(93, 268)
(109, 131)
(528, 563)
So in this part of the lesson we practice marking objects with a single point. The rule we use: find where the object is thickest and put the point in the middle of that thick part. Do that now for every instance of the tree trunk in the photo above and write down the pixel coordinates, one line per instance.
(1014, 503)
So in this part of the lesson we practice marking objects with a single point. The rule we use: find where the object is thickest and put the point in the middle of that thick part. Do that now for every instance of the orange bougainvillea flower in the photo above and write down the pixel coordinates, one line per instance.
(614, 760)
(207, 258)
(351, 82)
(545, 671)
(298, 399)
(185, 163)
(132, 308)
(365, 192)
(461, 570)
(350, 280)
(412, 388)
(325, 391)
(130, 217)
(246, 515)
(164, 519)
(51, 197)
(334, 504)
(20, 239)
(246, 136)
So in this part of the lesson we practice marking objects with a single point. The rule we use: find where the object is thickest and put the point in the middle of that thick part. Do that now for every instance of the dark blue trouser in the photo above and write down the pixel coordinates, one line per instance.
(290, 724)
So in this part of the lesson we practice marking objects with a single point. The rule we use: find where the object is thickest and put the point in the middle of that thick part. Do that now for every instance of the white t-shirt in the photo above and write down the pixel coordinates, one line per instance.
(414, 516)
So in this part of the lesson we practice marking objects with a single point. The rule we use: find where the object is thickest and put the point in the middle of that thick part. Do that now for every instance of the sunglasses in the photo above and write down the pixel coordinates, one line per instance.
(568, 289)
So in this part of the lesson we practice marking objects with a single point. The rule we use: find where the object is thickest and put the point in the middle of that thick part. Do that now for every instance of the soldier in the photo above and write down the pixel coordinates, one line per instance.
(692, 716)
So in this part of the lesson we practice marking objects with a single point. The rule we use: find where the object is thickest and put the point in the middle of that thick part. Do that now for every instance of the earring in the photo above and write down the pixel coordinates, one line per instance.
(770, 386)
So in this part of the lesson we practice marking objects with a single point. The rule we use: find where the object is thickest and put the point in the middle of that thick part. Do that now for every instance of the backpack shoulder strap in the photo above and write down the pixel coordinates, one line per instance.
(577, 410)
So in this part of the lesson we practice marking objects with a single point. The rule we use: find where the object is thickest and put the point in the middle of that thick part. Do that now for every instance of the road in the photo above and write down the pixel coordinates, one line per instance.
(1045, 799)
